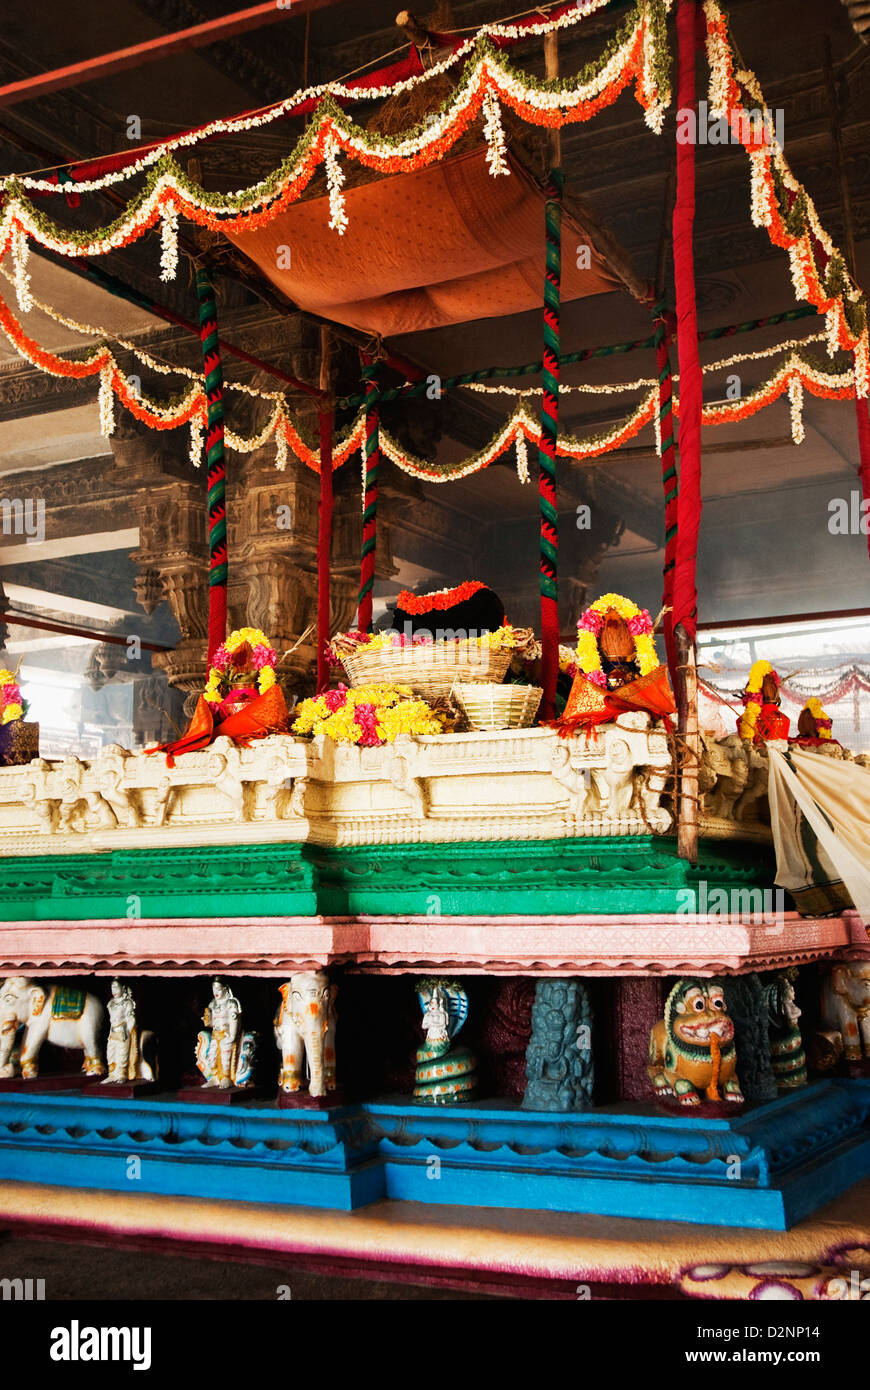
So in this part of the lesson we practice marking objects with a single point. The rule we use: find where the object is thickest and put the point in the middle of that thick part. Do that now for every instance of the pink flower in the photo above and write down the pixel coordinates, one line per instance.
(11, 694)
(335, 699)
(423, 641)
(598, 678)
(262, 656)
(365, 717)
(591, 622)
(221, 658)
(640, 623)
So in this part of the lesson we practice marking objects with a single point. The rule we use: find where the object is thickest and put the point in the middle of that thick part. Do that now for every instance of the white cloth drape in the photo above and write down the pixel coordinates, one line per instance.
(820, 817)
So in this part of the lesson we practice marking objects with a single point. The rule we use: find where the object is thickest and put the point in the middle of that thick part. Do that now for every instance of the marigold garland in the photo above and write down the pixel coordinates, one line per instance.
(439, 599)
(640, 626)
(781, 204)
(368, 715)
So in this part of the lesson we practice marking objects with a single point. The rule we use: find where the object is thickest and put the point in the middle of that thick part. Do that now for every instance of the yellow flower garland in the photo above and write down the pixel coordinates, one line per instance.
(397, 710)
(496, 640)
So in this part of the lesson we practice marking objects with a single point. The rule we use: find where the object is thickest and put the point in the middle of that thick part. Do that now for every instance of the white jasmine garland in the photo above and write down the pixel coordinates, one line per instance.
(196, 439)
(338, 219)
(522, 457)
(107, 402)
(21, 277)
(169, 242)
(796, 401)
(496, 154)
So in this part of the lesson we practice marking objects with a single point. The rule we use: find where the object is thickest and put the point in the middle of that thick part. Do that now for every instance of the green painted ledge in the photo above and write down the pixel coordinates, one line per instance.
(610, 875)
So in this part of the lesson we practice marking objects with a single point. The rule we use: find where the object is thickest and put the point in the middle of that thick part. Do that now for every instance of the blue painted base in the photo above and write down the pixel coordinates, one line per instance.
(768, 1167)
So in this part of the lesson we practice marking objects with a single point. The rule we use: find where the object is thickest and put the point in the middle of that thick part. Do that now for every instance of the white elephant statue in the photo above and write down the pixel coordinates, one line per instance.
(59, 1014)
(305, 1024)
(846, 1007)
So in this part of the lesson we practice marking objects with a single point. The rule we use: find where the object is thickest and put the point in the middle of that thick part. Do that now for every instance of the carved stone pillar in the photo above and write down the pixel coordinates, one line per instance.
(173, 564)
(272, 527)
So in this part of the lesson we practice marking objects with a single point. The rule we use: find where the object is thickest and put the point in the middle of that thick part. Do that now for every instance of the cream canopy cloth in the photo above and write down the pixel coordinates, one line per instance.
(820, 816)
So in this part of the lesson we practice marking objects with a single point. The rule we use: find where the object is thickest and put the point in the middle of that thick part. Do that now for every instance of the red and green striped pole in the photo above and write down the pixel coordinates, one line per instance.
(217, 514)
(549, 515)
(663, 328)
(372, 455)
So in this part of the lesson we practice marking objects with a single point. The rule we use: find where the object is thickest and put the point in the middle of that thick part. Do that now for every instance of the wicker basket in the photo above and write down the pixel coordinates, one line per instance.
(497, 706)
(430, 671)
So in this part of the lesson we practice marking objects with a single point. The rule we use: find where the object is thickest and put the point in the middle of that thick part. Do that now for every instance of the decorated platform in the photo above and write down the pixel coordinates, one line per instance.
(768, 1168)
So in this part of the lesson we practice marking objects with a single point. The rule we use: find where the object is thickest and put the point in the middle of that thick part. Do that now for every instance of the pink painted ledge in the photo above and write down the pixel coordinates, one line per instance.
(665, 944)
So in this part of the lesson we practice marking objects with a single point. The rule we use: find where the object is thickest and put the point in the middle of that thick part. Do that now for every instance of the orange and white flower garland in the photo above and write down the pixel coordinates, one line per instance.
(769, 165)
(489, 80)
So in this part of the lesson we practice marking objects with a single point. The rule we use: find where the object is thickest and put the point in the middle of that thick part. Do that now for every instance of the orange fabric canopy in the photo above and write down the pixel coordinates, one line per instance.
(443, 245)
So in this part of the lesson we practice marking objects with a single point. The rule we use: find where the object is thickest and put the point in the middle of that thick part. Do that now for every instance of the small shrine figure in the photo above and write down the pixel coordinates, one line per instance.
(814, 727)
(762, 720)
(617, 667)
(241, 700)
(787, 1056)
(445, 1073)
(692, 1054)
(224, 1052)
(126, 1046)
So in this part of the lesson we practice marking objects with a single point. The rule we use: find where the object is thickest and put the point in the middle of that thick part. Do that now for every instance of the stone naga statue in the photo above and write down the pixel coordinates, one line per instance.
(846, 1007)
(691, 1050)
(305, 1031)
(39, 1013)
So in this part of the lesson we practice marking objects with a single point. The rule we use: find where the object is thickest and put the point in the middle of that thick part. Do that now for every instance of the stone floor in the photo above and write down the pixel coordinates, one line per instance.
(79, 1271)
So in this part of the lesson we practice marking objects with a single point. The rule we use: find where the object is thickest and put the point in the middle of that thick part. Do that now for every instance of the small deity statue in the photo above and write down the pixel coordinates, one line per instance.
(787, 1056)
(814, 726)
(691, 1050)
(762, 720)
(444, 1073)
(241, 700)
(224, 1052)
(618, 655)
(127, 1047)
(617, 667)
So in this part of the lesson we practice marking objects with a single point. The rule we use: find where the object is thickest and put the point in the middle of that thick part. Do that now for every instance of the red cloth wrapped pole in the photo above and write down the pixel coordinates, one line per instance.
(663, 325)
(368, 553)
(691, 382)
(324, 543)
(547, 502)
(214, 447)
(864, 450)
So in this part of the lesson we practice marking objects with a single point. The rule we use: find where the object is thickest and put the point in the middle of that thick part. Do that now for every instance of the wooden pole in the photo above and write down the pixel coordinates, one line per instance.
(137, 55)
(689, 748)
(551, 63)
